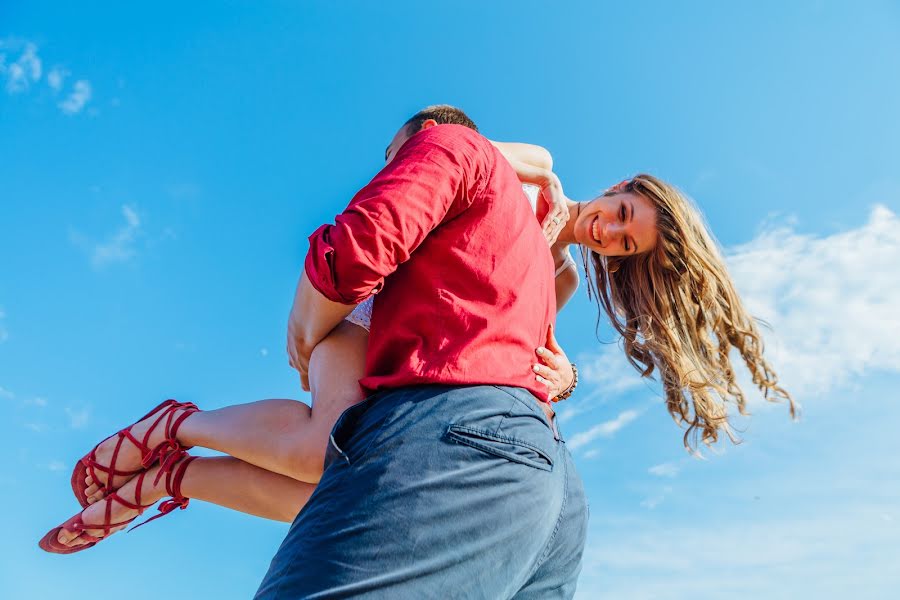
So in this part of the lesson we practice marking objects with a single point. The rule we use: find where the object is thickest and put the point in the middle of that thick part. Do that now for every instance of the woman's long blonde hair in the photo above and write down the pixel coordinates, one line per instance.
(678, 313)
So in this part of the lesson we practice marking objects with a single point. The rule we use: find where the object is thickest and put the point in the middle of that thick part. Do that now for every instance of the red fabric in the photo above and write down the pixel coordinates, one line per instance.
(463, 275)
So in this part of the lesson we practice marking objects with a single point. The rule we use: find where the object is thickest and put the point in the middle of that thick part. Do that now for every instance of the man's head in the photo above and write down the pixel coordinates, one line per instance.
(439, 114)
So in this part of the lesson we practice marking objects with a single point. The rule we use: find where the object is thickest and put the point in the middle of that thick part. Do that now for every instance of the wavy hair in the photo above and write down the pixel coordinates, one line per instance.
(678, 313)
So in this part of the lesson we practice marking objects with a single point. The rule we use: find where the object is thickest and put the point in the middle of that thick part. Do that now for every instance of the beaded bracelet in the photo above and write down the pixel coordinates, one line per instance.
(569, 390)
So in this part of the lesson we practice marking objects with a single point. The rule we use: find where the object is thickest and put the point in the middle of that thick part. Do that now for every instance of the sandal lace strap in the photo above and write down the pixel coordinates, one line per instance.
(169, 451)
(173, 487)
(108, 525)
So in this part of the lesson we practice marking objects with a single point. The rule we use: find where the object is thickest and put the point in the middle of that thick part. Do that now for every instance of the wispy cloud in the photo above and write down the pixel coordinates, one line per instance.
(37, 401)
(605, 429)
(119, 247)
(24, 71)
(56, 77)
(609, 372)
(651, 502)
(664, 470)
(21, 70)
(56, 465)
(5, 393)
(816, 556)
(77, 98)
(831, 300)
(78, 417)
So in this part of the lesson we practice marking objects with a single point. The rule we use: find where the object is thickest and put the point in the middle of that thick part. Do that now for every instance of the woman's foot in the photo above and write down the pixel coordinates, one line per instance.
(120, 508)
(120, 457)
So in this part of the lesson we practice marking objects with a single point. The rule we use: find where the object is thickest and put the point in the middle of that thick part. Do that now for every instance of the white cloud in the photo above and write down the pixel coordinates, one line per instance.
(5, 393)
(36, 427)
(78, 418)
(264, 352)
(815, 556)
(77, 98)
(19, 75)
(605, 429)
(56, 465)
(118, 247)
(655, 500)
(56, 77)
(664, 470)
(609, 371)
(4, 334)
(24, 71)
(37, 401)
(831, 301)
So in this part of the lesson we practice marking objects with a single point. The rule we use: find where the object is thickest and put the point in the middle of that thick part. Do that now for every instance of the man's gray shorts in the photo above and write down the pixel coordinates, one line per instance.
(438, 492)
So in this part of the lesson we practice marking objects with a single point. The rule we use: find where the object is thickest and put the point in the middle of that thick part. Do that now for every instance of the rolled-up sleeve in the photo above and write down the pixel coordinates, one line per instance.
(433, 178)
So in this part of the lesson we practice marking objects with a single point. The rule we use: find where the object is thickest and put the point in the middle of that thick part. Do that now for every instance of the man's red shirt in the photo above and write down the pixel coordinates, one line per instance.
(463, 275)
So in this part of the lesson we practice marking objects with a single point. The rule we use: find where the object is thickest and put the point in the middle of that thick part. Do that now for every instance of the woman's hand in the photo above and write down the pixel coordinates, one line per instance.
(534, 164)
(557, 208)
(554, 369)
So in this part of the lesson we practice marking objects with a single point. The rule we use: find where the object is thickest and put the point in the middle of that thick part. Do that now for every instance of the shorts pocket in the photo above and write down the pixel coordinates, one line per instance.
(352, 433)
(510, 448)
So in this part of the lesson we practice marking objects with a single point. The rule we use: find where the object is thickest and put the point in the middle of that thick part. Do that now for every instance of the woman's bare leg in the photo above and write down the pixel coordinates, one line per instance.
(286, 436)
(240, 486)
(222, 480)
(282, 436)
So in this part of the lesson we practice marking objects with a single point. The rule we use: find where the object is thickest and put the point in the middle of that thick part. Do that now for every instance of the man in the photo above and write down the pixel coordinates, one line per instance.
(448, 480)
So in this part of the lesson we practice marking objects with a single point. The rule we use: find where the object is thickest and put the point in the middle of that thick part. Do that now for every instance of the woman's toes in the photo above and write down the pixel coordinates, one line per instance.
(66, 537)
(94, 495)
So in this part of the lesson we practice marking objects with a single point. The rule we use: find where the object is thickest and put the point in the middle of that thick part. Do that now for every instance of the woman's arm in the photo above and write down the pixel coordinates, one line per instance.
(536, 156)
(566, 284)
(534, 164)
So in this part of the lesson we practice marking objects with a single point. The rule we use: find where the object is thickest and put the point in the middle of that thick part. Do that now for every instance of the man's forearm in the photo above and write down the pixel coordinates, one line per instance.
(312, 318)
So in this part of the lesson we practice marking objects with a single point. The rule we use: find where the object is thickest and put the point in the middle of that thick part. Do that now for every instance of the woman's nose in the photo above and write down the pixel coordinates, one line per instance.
(613, 231)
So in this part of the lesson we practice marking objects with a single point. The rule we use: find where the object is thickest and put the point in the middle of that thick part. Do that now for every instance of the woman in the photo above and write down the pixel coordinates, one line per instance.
(658, 276)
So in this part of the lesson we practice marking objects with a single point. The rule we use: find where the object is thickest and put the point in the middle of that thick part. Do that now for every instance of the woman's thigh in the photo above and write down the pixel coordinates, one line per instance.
(335, 368)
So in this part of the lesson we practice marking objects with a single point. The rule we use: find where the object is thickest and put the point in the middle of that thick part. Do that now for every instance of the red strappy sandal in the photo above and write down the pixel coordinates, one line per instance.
(50, 542)
(168, 452)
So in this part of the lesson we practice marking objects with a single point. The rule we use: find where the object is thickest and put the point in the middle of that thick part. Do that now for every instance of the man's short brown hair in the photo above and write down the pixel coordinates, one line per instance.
(443, 114)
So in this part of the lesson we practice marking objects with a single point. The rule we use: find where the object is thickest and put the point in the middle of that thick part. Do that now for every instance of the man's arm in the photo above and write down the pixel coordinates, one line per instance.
(434, 176)
(312, 318)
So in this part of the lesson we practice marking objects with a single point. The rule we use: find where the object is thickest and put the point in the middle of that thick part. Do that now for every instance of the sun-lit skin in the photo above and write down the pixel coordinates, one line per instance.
(614, 225)
(400, 138)
(621, 224)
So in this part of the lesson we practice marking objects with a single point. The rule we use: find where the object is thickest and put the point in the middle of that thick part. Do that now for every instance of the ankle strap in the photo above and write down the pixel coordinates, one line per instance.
(173, 488)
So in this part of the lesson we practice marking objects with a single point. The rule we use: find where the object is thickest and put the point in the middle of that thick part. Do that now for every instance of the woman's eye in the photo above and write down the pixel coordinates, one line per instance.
(622, 213)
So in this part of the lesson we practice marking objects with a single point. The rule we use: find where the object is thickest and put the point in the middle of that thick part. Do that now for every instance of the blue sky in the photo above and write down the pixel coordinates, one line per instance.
(160, 169)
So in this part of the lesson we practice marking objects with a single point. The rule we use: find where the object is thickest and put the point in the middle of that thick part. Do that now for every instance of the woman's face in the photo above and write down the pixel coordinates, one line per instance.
(618, 225)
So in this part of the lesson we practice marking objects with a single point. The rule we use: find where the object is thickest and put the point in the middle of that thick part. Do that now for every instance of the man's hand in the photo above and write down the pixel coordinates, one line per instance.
(312, 318)
(298, 356)
(554, 369)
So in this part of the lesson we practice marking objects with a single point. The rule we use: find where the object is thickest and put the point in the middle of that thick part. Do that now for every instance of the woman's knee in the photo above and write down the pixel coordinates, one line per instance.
(303, 455)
